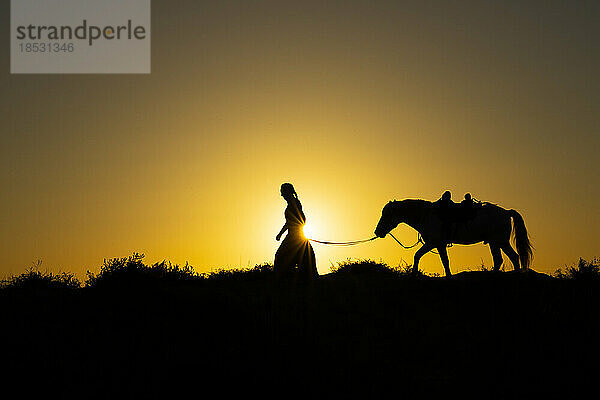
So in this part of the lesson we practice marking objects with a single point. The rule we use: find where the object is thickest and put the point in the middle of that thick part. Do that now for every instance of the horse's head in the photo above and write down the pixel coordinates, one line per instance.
(388, 221)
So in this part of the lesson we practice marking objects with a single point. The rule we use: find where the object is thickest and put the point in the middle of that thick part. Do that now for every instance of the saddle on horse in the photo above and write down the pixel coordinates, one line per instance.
(452, 214)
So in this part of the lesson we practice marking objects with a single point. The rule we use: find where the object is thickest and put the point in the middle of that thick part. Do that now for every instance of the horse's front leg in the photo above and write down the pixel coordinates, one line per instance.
(444, 257)
(496, 256)
(420, 253)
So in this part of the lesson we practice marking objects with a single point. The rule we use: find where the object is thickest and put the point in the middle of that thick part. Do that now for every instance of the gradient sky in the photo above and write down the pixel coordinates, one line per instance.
(355, 103)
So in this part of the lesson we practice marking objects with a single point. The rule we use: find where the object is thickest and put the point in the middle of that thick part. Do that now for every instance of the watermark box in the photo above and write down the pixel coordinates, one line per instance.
(80, 36)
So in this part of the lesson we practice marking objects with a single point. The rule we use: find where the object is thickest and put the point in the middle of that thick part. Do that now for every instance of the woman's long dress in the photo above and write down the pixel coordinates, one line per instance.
(295, 251)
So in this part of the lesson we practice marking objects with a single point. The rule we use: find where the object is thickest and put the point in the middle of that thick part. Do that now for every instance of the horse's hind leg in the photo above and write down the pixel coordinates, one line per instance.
(496, 256)
(512, 254)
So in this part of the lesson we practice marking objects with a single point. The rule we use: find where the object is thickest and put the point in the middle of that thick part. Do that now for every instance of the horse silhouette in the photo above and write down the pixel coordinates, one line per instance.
(486, 223)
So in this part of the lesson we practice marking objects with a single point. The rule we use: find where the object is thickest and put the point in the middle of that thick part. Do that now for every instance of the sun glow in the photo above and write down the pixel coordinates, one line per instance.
(308, 231)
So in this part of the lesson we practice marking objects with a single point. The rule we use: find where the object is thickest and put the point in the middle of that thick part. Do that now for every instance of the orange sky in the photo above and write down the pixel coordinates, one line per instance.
(356, 104)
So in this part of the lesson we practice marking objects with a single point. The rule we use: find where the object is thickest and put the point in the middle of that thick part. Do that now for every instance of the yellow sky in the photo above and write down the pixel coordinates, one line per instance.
(355, 105)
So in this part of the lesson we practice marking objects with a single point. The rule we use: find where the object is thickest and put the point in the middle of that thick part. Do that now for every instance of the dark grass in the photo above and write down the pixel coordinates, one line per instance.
(366, 329)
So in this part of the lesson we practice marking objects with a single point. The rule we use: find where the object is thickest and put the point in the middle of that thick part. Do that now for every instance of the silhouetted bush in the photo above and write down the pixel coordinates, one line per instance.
(369, 267)
(257, 272)
(584, 270)
(132, 270)
(33, 278)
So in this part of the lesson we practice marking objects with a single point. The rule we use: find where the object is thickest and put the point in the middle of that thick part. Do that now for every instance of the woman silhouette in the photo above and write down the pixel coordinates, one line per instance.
(295, 251)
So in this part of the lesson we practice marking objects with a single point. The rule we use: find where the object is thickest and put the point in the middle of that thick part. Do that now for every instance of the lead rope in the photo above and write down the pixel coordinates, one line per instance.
(419, 240)
(355, 242)
(350, 243)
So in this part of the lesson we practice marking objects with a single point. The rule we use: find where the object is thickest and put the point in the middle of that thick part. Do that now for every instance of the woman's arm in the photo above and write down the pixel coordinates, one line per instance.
(281, 232)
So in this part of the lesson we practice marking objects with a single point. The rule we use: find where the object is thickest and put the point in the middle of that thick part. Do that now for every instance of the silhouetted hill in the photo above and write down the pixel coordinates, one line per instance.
(137, 331)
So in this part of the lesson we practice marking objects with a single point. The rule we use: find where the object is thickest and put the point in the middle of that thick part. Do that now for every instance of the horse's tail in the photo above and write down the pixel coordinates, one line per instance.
(524, 247)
